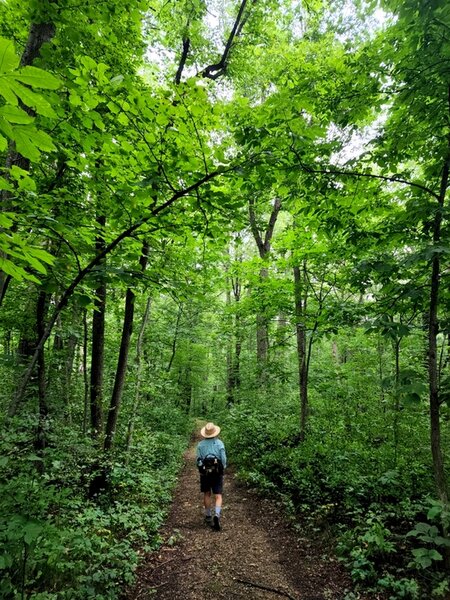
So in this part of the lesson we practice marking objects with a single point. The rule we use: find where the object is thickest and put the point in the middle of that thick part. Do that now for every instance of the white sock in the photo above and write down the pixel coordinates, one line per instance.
(218, 511)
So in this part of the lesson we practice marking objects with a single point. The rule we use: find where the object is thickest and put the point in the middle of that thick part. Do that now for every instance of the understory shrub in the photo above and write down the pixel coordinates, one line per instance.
(388, 532)
(55, 541)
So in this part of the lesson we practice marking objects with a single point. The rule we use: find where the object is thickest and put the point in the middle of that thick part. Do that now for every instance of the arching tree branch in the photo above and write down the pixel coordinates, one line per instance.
(93, 263)
(392, 178)
(218, 69)
(184, 55)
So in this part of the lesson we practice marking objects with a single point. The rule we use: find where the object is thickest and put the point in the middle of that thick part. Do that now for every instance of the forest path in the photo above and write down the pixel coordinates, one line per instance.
(254, 550)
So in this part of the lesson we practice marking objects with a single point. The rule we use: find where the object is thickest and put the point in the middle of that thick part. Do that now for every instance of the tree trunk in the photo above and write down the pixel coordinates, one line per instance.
(175, 338)
(230, 378)
(122, 362)
(41, 311)
(71, 347)
(300, 331)
(137, 396)
(26, 349)
(39, 34)
(85, 372)
(121, 370)
(433, 329)
(262, 332)
(98, 343)
(264, 247)
(236, 286)
(396, 347)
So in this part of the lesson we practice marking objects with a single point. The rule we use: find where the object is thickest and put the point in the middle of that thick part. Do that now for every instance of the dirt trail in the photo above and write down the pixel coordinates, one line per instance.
(256, 555)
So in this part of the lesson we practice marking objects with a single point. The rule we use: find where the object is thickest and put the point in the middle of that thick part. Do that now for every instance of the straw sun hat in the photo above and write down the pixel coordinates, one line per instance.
(210, 430)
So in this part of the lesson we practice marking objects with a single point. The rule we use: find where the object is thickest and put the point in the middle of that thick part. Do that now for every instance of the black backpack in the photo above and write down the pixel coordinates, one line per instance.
(210, 465)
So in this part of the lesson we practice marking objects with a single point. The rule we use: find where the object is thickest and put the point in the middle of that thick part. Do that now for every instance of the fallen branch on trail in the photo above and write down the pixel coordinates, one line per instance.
(266, 588)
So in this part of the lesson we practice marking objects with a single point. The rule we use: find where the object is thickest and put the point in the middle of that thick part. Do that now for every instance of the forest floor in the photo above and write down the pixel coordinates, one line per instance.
(257, 554)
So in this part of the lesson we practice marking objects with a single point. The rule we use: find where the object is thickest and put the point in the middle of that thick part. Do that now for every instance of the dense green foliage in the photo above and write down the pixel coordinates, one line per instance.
(58, 544)
(363, 475)
(233, 210)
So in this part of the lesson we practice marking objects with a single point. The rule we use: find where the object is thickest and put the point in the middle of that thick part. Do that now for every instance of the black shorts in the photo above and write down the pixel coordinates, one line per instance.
(212, 483)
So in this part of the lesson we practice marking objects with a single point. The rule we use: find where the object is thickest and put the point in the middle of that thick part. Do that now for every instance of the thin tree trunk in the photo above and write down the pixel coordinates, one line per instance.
(300, 331)
(41, 311)
(85, 372)
(433, 329)
(175, 338)
(39, 34)
(26, 350)
(137, 396)
(380, 372)
(264, 247)
(230, 378)
(98, 343)
(119, 381)
(396, 345)
(122, 362)
(262, 331)
(236, 366)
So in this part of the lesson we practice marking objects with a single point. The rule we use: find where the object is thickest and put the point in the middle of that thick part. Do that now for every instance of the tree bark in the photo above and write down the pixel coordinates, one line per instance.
(137, 396)
(229, 386)
(39, 34)
(122, 362)
(98, 342)
(97, 260)
(264, 247)
(175, 338)
(41, 311)
(433, 329)
(85, 372)
(300, 332)
(119, 381)
(236, 359)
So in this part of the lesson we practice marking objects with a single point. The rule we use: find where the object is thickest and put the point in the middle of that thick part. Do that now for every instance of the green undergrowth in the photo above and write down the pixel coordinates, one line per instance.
(372, 501)
(57, 542)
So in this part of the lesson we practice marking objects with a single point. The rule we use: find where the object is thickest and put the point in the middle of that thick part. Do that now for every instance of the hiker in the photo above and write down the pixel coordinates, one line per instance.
(211, 461)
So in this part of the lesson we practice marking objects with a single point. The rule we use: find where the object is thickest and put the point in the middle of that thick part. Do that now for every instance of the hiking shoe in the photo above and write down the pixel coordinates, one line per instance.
(208, 521)
(216, 523)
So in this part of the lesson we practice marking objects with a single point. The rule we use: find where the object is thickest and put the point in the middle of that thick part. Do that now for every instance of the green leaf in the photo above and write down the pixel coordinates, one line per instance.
(435, 555)
(34, 263)
(14, 114)
(33, 100)
(42, 255)
(37, 78)
(32, 531)
(24, 145)
(5, 185)
(6, 127)
(42, 140)
(8, 57)
(5, 221)
(6, 92)
(116, 81)
(3, 146)
(15, 271)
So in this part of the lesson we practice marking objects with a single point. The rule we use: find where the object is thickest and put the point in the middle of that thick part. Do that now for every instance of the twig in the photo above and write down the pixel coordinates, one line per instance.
(162, 564)
(155, 587)
(267, 588)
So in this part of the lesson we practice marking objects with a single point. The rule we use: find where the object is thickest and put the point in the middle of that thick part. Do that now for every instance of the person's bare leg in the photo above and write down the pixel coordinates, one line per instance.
(218, 511)
(207, 505)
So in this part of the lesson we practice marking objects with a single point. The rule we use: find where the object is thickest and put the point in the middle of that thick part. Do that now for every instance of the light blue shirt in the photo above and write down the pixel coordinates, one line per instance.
(212, 446)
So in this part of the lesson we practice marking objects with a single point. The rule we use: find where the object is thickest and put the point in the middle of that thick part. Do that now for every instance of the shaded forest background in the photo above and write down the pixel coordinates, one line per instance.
(232, 210)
